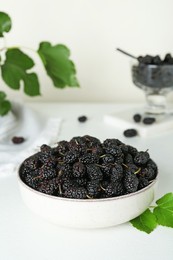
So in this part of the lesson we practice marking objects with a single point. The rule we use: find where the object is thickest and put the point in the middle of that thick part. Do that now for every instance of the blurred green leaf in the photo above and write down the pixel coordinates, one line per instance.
(58, 65)
(15, 70)
(5, 23)
(2, 95)
(5, 105)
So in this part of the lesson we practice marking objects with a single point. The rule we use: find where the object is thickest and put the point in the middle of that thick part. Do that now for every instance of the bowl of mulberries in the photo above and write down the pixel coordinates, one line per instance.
(88, 183)
(152, 73)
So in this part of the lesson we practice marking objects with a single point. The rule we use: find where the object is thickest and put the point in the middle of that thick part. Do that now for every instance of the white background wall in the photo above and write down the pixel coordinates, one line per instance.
(92, 29)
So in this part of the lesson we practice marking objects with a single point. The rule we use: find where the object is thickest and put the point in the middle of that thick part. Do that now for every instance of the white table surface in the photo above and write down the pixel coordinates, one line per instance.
(25, 236)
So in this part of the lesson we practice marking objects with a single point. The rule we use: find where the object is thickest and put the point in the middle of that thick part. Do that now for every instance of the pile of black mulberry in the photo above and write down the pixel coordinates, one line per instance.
(86, 168)
(152, 72)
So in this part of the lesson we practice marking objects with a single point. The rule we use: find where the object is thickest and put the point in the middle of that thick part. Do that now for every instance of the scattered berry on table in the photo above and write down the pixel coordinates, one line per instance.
(82, 119)
(137, 118)
(149, 120)
(130, 132)
(18, 139)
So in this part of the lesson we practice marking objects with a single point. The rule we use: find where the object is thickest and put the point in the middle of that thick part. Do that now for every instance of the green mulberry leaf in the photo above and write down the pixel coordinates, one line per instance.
(5, 105)
(5, 23)
(164, 210)
(15, 69)
(145, 222)
(58, 65)
(2, 95)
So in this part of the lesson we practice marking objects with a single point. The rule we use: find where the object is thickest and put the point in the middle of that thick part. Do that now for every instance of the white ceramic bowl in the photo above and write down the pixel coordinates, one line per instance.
(88, 213)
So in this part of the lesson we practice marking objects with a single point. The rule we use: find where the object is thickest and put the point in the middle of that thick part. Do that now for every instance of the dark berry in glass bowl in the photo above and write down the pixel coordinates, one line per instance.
(155, 77)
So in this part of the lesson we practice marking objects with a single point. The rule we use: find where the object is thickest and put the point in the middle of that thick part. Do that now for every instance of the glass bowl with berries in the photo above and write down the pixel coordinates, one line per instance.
(88, 183)
(155, 77)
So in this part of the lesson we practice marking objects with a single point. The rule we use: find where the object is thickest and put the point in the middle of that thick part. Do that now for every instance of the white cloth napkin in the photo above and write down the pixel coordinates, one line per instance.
(36, 134)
